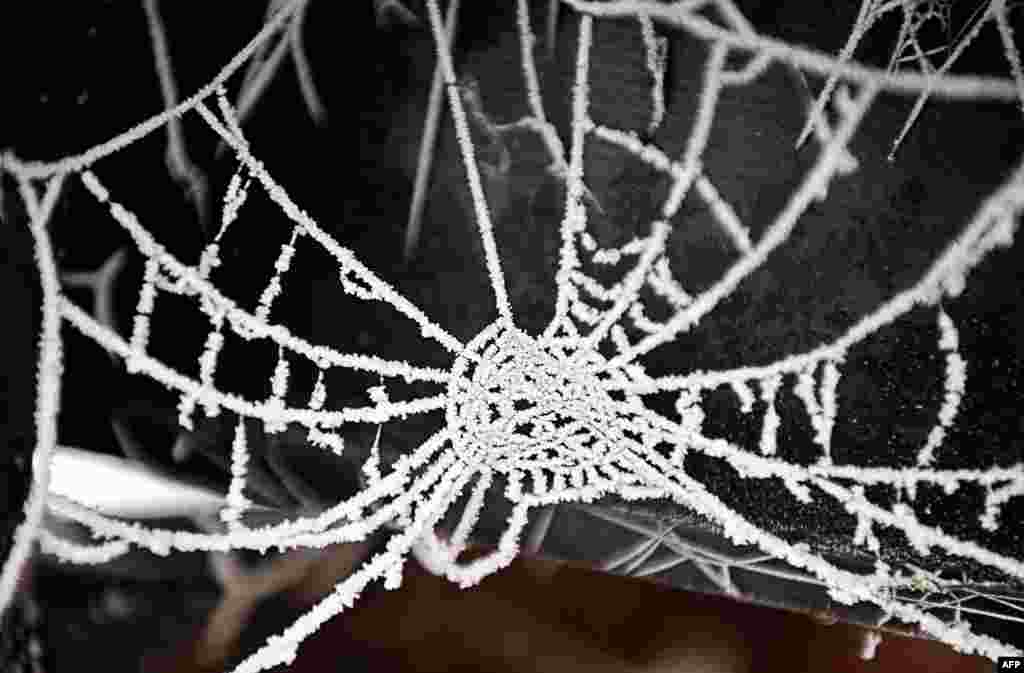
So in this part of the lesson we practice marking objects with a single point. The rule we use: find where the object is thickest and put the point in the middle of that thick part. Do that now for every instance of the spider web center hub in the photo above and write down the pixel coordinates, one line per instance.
(525, 406)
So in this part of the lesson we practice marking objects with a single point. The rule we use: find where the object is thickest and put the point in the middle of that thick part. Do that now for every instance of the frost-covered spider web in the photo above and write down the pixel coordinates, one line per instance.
(565, 414)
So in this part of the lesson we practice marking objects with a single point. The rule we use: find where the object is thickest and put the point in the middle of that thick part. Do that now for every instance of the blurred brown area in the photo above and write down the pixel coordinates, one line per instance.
(545, 616)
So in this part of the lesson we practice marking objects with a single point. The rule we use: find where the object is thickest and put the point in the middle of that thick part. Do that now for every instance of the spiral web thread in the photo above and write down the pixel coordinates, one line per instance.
(555, 415)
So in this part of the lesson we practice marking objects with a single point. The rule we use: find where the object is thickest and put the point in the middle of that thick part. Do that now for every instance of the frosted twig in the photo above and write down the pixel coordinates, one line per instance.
(393, 10)
(303, 70)
(181, 168)
(954, 54)
(48, 387)
(428, 139)
(551, 32)
(101, 283)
